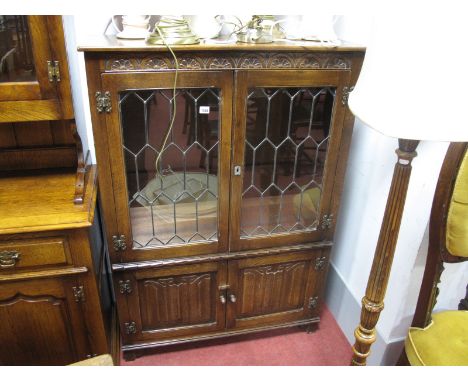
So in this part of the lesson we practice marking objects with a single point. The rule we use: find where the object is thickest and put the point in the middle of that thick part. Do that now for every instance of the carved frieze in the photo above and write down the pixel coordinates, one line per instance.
(230, 60)
(121, 64)
(220, 63)
(154, 64)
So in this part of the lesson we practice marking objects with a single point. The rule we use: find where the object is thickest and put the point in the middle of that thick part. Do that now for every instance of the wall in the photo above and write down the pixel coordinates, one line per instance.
(367, 182)
(77, 30)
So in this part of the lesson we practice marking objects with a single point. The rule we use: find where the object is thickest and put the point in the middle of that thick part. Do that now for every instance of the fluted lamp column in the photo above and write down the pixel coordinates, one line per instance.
(408, 90)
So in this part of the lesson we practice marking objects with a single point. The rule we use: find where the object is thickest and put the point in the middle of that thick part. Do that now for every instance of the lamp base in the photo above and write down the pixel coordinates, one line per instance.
(372, 302)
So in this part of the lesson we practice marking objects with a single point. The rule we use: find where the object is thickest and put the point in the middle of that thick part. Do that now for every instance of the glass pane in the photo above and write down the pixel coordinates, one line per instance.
(172, 173)
(287, 134)
(16, 59)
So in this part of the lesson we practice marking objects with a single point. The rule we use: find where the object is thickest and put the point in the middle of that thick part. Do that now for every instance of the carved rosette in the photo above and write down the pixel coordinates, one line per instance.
(308, 62)
(192, 63)
(122, 64)
(155, 63)
(251, 62)
(220, 63)
(281, 61)
(336, 63)
(234, 60)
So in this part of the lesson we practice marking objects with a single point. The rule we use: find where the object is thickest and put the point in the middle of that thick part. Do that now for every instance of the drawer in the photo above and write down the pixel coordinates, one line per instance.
(28, 253)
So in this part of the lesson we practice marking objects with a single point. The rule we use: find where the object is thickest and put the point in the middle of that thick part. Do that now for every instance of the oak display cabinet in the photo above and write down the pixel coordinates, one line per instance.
(221, 223)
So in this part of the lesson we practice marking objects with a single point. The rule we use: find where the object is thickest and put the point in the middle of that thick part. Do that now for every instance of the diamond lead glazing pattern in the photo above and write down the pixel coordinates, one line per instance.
(177, 202)
(287, 135)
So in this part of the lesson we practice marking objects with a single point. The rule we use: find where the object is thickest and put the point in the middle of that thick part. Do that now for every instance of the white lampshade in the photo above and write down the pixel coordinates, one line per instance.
(414, 81)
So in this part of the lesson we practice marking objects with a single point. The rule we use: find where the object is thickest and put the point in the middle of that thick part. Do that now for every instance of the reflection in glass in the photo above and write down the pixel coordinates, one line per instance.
(287, 134)
(16, 59)
(173, 199)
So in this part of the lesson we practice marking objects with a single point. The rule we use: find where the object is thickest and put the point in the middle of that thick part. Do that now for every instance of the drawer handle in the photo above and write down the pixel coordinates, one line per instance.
(8, 259)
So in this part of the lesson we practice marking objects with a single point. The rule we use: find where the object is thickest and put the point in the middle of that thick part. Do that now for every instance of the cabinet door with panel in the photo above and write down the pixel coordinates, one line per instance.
(275, 289)
(42, 323)
(172, 176)
(286, 141)
(34, 78)
(169, 302)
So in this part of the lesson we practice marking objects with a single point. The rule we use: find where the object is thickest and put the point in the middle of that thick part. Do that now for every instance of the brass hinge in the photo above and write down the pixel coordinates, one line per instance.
(119, 243)
(53, 71)
(320, 263)
(130, 327)
(327, 221)
(345, 96)
(79, 294)
(103, 102)
(313, 302)
(125, 287)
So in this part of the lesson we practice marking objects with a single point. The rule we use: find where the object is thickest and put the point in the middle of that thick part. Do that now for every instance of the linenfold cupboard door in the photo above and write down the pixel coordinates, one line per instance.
(286, 140)
(171, 180)
(271, 290)
(171, 302)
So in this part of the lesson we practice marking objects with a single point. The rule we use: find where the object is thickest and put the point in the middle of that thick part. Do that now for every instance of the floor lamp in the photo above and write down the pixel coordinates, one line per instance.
(413, 86)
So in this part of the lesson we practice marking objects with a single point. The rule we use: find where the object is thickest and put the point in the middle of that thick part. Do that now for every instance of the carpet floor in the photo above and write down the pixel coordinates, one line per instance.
(326, 346)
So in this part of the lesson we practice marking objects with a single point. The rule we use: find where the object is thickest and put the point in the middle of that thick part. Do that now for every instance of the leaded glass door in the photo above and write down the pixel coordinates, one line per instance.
(286, 138)
(24, 51)
(170, 161)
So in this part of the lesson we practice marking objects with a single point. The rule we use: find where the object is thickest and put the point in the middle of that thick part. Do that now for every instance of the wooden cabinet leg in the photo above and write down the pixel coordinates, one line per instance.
(129, 356)
(311, 328)
(372, 302)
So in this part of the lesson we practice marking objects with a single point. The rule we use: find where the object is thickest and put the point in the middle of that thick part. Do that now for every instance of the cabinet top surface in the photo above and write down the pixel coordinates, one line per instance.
(113, 44)
(33, 203)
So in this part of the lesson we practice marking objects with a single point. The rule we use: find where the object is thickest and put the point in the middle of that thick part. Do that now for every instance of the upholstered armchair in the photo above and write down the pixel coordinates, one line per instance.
(442, 338)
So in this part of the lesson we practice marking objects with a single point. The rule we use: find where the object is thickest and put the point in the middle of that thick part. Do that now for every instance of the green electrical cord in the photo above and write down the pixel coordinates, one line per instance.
(174, 103)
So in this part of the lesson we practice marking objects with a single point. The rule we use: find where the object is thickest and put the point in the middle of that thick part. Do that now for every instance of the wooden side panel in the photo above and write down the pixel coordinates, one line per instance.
(37, 158)
(7, 135)
(58, 52)
(36, 134)
(29, 134)
(37, 110)
(37, 144)
(62, 132)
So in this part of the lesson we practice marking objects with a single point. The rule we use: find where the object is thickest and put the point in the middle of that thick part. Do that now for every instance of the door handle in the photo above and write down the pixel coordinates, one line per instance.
(232, 298)
(8, 259)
